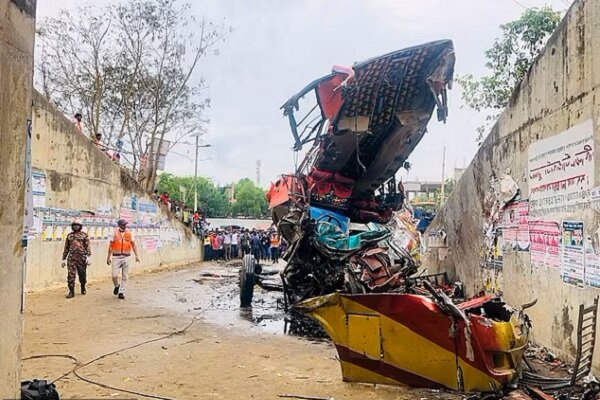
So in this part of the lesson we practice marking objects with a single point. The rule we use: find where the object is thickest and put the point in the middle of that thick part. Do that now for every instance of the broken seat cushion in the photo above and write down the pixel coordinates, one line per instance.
(320, 181)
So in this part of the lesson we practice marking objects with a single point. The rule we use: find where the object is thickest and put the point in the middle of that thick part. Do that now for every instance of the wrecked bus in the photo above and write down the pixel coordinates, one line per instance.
(354, 249)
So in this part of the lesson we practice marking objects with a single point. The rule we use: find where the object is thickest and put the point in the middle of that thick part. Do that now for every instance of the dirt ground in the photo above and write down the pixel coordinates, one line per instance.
(225, 354)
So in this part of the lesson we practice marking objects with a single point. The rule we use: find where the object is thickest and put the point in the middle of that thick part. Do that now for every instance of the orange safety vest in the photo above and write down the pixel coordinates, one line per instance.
(275, 241)
(121, 243)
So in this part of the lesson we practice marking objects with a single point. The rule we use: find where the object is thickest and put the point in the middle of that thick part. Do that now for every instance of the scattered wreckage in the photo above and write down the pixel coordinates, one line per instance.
(354, 250)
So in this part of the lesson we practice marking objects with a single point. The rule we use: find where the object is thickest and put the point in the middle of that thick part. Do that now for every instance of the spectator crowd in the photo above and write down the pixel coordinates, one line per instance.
(232, 243)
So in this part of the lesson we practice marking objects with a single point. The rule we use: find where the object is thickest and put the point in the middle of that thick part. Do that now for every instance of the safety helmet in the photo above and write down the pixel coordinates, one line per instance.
(76, 221)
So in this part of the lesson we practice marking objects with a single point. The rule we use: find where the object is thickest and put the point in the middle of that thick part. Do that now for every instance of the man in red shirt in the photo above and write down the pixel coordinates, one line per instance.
(164, 198)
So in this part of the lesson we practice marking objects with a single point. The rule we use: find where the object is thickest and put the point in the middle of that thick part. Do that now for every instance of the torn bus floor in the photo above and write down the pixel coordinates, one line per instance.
(424, 341)
(428, 341)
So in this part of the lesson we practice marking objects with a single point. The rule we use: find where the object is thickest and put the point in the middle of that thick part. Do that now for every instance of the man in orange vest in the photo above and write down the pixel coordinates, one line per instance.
(119, 249)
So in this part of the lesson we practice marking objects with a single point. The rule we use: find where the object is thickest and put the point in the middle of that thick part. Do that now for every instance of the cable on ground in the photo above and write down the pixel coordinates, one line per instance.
(79, 365)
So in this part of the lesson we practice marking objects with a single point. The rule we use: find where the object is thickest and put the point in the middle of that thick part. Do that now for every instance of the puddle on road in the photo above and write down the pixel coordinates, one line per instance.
(213, 293)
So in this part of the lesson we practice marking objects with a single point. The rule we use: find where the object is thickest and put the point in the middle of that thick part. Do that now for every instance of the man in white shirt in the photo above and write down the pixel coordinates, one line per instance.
(227, 245)
(234, 244)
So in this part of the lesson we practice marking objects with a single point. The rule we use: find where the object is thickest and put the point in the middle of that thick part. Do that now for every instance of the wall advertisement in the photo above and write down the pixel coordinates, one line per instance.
(544, 237)
(561, 171)
(573, 254)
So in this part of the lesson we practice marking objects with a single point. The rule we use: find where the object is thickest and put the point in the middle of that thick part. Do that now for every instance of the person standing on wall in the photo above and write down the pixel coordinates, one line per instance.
(78, 123)
(76, 257)
(119, 249)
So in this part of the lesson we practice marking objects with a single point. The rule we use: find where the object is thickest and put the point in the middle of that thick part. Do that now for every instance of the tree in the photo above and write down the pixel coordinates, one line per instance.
(250, 200)
(212, 199)
(131, 69)
(508, 60)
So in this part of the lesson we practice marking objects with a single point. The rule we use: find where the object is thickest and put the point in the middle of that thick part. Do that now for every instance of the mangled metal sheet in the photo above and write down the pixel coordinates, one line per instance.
(371, 117)
(423, 341)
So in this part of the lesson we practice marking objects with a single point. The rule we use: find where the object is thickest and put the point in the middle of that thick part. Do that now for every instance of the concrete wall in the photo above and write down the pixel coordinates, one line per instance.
(74, 178)
(17, 26)
(561, 91)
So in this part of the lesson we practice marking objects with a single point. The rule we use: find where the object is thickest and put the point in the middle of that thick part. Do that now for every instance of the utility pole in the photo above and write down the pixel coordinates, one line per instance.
(196, 177)
(442, 194)
(258, 173)
(197, 136)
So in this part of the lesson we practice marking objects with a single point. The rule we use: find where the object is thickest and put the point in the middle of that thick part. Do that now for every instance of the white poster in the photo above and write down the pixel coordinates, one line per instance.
(38, 188)
(561, 170)
(592, 264)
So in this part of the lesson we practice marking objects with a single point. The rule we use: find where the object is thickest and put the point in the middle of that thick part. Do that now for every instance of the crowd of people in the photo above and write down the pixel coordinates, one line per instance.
(232, 243)
(195, 220)
(226, 244)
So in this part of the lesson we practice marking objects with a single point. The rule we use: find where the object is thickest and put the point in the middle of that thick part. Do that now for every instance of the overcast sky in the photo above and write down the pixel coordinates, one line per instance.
(278, 46)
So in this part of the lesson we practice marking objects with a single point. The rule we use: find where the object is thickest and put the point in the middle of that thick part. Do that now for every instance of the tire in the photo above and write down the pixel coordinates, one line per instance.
(247, 279)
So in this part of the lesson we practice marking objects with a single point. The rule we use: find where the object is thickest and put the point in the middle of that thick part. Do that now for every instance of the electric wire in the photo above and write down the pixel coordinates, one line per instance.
(79, 365)
(521, 5)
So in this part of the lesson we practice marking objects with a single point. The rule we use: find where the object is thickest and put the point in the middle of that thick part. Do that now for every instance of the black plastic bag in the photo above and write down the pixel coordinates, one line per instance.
(38, 390)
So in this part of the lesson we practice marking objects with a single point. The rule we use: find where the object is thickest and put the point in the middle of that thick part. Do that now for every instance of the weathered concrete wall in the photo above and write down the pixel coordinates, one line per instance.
(17, 27)
(74, 178)
(561, 91)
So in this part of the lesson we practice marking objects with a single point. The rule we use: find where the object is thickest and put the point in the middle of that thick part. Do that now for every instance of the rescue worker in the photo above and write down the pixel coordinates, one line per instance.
(76, 257)
(275, 242)
(119, 249)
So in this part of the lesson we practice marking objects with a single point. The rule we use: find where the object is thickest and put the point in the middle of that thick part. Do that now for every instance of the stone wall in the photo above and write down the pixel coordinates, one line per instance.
(73, 178)
(546, 140)
(17, 27)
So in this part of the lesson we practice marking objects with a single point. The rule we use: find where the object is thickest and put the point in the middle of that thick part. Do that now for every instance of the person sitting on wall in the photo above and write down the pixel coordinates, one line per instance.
(78, 123)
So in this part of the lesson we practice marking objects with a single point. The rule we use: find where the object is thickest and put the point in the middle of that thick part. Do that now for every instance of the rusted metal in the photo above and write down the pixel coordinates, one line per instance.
(539, 394)
(517, 395)
(586, 339)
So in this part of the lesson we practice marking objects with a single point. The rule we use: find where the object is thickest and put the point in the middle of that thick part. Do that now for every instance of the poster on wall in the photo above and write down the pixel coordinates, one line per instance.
(561, 170)
(509, 223)
(495, 259)
(544, 237)
(150, 244)
(592, 264)
(38, 188)
(573, 255)
(147, 207)
(523, 226)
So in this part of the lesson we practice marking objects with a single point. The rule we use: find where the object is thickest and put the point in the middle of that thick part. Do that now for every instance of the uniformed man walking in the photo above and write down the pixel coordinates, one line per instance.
(119, 249)
(76, 256)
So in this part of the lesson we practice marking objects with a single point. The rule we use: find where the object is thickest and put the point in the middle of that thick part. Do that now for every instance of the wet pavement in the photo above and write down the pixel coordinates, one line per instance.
(213, 292)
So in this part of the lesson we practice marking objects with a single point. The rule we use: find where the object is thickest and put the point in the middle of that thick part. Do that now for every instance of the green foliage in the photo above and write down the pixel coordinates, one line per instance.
(250, 200)
(508, 60)
(212, 199)
(436, 196)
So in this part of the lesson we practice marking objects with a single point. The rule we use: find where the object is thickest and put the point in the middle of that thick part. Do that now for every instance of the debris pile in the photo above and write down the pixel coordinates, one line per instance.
(354, 250)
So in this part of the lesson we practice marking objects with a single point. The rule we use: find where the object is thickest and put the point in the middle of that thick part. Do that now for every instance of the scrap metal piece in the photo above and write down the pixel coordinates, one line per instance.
(517, 395)
(586, 341)
(541, 395)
